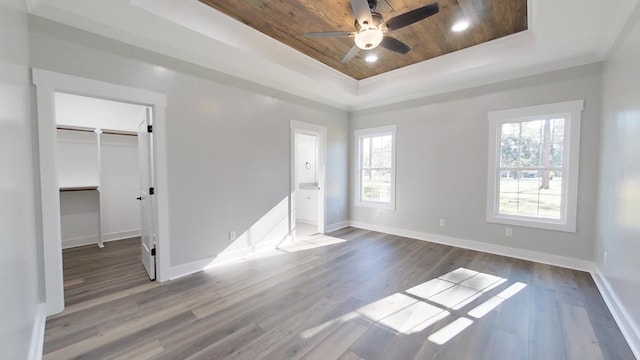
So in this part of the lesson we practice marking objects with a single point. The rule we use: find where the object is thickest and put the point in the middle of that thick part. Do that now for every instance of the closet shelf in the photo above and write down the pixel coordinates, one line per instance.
(78, 188)
(104, 131)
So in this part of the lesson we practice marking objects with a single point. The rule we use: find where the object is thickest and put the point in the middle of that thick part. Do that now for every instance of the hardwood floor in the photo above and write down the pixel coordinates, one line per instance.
(352, 295)
(91, 273)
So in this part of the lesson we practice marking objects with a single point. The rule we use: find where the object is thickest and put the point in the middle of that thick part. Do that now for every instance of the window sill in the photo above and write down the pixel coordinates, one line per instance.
(376, 205)
(533, 223)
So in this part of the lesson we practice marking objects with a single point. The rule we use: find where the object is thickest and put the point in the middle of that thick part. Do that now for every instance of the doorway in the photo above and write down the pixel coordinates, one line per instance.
(308, 179)
(48, 86)
(104, 173)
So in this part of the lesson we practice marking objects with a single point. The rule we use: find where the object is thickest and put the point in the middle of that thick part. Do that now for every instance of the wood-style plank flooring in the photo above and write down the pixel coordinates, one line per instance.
(354, 294)
(91, 272)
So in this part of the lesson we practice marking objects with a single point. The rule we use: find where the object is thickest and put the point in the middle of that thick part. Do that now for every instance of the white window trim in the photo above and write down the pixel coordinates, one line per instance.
(572, 111)
(382, 130)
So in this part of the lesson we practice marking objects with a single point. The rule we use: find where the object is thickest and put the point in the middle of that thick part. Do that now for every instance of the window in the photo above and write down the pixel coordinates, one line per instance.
(533, 166)
(375, 156)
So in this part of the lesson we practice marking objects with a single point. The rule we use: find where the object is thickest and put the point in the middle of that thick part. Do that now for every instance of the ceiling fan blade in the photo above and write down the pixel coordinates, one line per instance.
(361, 11)
(412, 16)
(394, 44)
(351, 54)
(330, 34)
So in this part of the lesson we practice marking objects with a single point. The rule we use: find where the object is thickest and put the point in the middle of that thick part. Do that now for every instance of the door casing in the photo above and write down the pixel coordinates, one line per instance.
(48, 83)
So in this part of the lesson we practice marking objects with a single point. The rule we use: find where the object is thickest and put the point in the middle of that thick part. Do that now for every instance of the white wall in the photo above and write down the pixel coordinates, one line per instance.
(77, 158)
(306, 146)
(619, 205)
(79, 218)
(84, 111)
(228, 140)
(19, 258)
(442, 146)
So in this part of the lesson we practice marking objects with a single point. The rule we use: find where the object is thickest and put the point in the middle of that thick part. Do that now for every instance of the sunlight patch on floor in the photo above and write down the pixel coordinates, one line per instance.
(448, 332)
(426, 304)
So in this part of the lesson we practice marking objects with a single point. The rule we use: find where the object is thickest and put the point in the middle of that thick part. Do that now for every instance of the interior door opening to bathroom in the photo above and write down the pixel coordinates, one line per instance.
(308, 180)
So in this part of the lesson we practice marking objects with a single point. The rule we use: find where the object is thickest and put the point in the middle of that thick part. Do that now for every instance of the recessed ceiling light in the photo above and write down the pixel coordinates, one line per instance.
(371, 58)
(461, 25)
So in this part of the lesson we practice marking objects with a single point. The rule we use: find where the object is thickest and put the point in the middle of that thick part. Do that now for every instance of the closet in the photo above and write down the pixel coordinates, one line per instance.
(97, 164)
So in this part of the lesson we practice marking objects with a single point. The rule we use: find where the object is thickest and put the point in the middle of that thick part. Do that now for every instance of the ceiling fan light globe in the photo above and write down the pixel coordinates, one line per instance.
(368, 39)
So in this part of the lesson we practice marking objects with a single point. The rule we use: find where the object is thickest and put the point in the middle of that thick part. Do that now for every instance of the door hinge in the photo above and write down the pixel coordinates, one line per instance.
(153, 252)
(152, 191)
(149, 128)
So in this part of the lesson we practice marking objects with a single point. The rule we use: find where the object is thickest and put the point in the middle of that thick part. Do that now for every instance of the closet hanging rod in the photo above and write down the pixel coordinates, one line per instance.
(75, 128)
(104, 131)
(119, 132)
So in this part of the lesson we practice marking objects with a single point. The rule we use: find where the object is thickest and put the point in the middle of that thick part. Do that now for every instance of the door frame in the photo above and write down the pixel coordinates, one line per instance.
(298, 127)
(48, 83)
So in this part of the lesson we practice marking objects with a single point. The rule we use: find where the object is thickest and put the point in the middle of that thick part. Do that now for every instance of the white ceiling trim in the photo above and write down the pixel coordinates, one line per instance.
(558, 37)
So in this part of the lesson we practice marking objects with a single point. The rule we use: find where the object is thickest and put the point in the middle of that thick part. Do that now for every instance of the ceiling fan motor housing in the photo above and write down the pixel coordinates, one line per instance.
(376, 18)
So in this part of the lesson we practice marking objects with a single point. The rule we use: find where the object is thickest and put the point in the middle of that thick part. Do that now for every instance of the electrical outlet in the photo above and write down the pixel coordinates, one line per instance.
(442, 222)
(509, 232)
(232, 235)
(337, 212)
(605, 257)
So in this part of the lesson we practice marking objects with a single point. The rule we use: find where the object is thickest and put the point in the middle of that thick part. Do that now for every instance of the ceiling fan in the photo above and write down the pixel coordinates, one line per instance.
(371, 29)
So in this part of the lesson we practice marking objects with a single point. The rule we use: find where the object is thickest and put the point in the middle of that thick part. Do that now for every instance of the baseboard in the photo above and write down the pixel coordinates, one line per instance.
(544, 258)
(307, 221)
(121, 235)
(176, 272)
(336, 226)
(226, 257)
(628, 327)
(36, 345)
(93, 239)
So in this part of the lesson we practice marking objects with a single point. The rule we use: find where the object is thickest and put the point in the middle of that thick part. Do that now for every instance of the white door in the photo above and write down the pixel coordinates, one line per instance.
(145, 149)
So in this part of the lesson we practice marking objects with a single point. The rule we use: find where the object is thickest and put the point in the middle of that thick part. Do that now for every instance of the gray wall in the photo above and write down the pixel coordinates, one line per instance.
(19, 258)
(619, 205)
(442, 146)
(228, 140)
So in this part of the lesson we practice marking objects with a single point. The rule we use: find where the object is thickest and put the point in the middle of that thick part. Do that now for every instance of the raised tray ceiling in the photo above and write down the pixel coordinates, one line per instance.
(288, 20)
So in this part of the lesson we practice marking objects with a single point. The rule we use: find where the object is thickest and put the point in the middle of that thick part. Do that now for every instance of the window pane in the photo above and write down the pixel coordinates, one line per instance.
(510, 145)
(376, 185)
(366, 152)
(377, 160)
(508, 193)
(387, 143)
(366, 185)
(551, 196)
(530, 140)
(376, 143)
(386, 159)
(531, 194)
(381, 160)
(528, 186)
(557, 141)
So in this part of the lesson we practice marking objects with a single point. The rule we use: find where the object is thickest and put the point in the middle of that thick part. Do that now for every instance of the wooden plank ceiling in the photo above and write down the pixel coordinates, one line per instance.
(288, 20)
